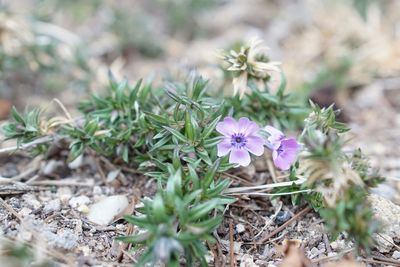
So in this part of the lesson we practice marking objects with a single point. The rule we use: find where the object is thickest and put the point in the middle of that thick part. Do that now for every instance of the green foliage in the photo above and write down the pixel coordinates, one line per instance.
(267, 107)
(176, 221)
(352, 215)
(324, 119)
(342, 178)
(23, 127)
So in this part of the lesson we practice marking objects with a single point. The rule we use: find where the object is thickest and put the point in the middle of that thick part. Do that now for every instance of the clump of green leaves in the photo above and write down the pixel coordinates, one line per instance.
(342, 178)
(351, 214)
(24, 127)
(176, 221)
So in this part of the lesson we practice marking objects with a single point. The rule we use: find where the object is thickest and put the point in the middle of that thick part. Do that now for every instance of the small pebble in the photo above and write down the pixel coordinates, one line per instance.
(396, 255)
(31, 201)
(240, 228)
(282, 217)
(25, 212)
(78, 201)
(52, 206)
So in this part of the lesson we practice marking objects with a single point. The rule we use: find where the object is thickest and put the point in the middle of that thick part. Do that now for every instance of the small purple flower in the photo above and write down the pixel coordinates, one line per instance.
(240, 138)
(284, 150)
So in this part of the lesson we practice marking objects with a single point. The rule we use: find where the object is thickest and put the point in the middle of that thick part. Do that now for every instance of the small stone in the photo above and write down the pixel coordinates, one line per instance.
(25, 212)
(236, 247)
(97, 190)
(76, 163)
(85, 250)
(247, 261)
(112, 175)
(314, 252)
(83, 208)
(78, 201)
(52, 206)
(31, 201)
(240, 228)
(64, 239)
(282, 217)
(396, 255)
(64, 194)
(106, 210)
(384, 243)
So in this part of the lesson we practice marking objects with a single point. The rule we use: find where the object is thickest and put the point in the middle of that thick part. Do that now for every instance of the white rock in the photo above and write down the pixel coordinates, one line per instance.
(314, 252)
(76, 163)
(112, 175)
(396, 255)
(247, 261)
(388, 214)
(83, 208)
(240, 228)
(97, 190)
(25, 212)
(78, 201)
(105, 211)
(64, 194)
(31, 200)
(384, 243)
(51, 206)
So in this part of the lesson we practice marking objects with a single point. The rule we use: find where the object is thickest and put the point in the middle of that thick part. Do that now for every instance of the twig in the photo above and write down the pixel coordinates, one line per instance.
(232, 260)
(262, 187)
(382, 261)
(237, 178)
(272, 194)
(271, 170)
(327, 245)
(283, 226)
(10, 209)
(270, 220)
(28, 171)
(39, 141)
(64, 182)
(337, 256)
(389, 241)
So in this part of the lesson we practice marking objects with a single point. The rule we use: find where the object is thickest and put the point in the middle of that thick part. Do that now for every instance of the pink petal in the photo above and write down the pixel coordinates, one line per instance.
(240, 156)
(255, 145)
(288, 155)
(227, 127)
(273, 131)
(290, 143)
(275, 138)
(282, 163)
(224, 147)
(247, 127)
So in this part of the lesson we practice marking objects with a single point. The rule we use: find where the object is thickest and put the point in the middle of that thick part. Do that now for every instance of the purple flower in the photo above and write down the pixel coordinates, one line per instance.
(284, 150)
(240, 138)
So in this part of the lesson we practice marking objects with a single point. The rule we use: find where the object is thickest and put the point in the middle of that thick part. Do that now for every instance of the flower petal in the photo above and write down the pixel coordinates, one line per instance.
(255, 145)
(224, 147)
(275, 138)
(282, 163)
(247, 127)
(227, 127)
(240, 156)
(288, 155)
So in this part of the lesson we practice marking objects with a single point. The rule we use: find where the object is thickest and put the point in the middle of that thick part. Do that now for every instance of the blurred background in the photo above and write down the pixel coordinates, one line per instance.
(332, 51)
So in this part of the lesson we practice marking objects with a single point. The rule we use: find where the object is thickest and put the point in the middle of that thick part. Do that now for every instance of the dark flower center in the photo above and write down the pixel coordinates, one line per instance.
(238, 140)
(279, 150)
